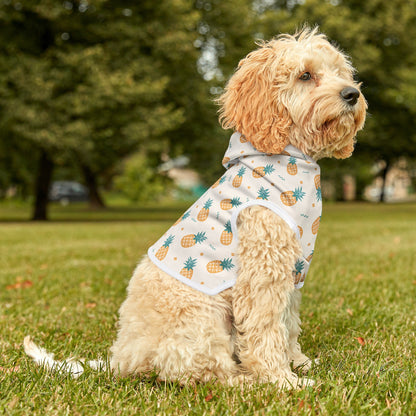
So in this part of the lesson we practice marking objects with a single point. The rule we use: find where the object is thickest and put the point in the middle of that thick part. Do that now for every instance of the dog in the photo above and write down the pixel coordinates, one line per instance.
(213, 304)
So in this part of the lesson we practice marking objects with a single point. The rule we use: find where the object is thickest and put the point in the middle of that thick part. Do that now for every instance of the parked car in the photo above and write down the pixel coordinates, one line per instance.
(68, 191)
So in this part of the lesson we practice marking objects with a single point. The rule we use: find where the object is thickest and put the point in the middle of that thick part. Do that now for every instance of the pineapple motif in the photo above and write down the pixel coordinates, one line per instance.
(238, 179)
(263, 193)
(192, 239)
(188, 268)
(290, 198)
(226, 236)
(309, 258)
(220, 181)
(298, 271)
(217, 266)
(300, 231)
(161, 253)
(243, 139)
(317, 180)
(315, 225)
(183, 217)
(203, 214)
(262, 171)
(225, 160)
(292, 168)
(227, 204)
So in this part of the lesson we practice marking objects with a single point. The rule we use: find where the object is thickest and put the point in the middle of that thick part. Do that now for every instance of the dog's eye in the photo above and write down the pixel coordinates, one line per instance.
(306, 76)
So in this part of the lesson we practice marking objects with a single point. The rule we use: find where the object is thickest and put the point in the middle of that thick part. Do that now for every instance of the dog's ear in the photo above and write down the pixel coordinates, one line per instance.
(251, 104)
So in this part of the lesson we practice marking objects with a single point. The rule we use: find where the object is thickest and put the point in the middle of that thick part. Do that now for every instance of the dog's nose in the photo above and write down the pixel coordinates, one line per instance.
(350, 95)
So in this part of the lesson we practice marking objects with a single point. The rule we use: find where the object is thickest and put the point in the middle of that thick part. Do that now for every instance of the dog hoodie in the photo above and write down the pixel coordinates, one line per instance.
(201, 248)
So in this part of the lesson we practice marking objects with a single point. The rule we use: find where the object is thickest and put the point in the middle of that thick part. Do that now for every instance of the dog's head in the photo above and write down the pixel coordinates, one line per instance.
(295, 90)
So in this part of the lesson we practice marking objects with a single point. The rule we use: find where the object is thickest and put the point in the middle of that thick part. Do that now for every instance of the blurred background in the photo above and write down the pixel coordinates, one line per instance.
(112, 102)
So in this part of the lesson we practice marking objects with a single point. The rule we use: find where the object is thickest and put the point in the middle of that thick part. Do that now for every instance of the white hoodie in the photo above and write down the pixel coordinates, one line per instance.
(201, 248)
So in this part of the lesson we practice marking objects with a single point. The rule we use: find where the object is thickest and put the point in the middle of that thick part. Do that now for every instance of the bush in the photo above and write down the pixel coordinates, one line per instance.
(140, 182)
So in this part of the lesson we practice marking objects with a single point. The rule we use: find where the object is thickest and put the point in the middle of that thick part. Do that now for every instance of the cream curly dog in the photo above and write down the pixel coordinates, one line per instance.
(293, 94)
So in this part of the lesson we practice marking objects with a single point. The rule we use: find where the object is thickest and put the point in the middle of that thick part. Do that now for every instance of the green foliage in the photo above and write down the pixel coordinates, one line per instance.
(223, 36)
(80, 91)
(93, 83)
(140, 182)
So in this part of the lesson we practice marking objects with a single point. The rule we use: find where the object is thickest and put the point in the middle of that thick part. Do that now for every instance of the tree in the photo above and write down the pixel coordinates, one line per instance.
(90, 83)
(80, 83)
(223, 35)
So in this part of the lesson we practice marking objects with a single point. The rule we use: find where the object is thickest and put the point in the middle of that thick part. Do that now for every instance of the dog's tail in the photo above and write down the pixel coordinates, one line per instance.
(72, 366)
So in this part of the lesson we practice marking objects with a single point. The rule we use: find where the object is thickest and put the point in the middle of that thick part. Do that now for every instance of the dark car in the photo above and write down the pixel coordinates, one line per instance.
(68, 191)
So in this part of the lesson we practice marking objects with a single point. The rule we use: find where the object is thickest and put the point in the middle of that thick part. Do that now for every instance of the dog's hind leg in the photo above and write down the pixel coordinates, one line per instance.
(268, 250)
(177, 331)
(199, 348)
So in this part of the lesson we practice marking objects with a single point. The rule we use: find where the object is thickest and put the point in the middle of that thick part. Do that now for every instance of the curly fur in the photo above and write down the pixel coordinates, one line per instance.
(265, 101)
(249, 332)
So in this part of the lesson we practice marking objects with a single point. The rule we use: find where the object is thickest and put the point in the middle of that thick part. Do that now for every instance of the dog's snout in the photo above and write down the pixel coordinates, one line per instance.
(350, 95)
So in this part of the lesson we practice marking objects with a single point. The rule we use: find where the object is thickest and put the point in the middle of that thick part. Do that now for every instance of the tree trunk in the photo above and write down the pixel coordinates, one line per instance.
(383, 185)
(42, 185)
(90, 178)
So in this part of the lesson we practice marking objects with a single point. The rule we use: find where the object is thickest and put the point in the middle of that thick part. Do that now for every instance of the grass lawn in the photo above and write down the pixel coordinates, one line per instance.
(62, 282)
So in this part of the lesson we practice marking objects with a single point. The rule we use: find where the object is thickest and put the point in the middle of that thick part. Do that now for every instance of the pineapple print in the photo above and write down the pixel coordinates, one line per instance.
(243, 139)
(188, 268)
(225, 160)
(226, 236)
(239, 177)
(183, 217)
(203, 214)
(292, 169)
(300, 231)
(220, 181)
(298, 271)
(262, 171)
(309, 258)
(217, 266)
(315, 225)
(161, 253)
(290, 198)
(263, 193)
(227, 204)
(317, 180)
(192, 239)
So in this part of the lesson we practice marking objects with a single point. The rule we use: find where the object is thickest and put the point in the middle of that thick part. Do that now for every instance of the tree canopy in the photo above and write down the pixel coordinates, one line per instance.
(83, 84)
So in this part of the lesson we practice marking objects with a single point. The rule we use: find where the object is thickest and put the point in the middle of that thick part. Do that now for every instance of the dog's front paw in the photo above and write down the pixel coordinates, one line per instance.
(295, 382)
(304, 364)
(306, 382)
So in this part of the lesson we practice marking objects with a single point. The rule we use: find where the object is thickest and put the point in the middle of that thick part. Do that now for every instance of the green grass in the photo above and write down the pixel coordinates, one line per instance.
(362, 284)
